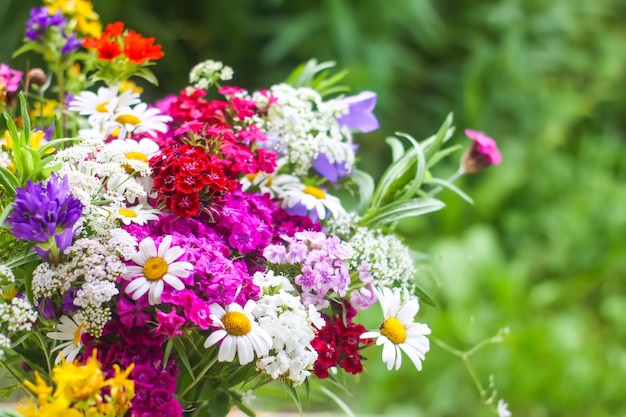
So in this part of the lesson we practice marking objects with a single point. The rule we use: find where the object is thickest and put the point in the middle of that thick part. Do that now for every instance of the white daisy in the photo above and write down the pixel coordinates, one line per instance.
(69, 329)
(398, 331)
(305, 200)
(239, 332)
(141, 150)
(136, 214)
(155, 268)
(101, 106)
(138, 119)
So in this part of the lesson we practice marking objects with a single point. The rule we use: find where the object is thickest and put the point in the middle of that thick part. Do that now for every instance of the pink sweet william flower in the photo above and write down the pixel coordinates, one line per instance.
(10, 78)
(483, 152)
(169, 323)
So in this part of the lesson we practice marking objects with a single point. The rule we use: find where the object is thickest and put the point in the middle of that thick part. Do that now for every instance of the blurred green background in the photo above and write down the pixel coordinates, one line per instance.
(542, 251)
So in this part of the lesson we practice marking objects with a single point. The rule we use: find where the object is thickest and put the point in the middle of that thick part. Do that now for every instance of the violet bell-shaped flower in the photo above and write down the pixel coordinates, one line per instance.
(360, 115)
(332, 171)
(45, 214)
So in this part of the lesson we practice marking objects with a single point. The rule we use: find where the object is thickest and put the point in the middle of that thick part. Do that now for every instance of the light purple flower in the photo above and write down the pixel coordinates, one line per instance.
(332, 171)
(360, 114)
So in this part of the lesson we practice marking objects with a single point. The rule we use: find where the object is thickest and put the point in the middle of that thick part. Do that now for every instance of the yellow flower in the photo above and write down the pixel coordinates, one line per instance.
(81, 12)
(47, 110)
(35, 140)
(41, 389)
(78, 382)
(129, 85)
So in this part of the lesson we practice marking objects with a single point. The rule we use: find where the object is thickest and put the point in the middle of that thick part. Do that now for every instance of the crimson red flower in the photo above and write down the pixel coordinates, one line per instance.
(185, 204)
(113, 42)
(337, 344)
(114, 29)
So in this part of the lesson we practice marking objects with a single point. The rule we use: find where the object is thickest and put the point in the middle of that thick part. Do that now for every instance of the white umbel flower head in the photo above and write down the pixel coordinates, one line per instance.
(239, 332)
(155, 268)
(399, 332)
(70, 330)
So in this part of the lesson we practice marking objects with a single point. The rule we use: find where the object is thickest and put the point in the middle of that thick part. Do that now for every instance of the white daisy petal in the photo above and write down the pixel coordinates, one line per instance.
(215, 337)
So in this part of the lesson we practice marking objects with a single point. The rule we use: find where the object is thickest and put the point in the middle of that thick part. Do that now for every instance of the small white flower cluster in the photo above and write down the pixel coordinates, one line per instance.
(18, 315)
(290, 325)
(6, 275)
(207, 73)
(98, 176)
(92, 267)
(96, 317)
(384, 257)
(301, 126)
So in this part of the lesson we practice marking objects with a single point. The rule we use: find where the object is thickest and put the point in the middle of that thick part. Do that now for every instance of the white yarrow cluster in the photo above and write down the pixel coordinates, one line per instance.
(301, 126)
(290, 325)
(17, 315)
(385, 257)
(98, 176)
(207, 73)
(93, 268)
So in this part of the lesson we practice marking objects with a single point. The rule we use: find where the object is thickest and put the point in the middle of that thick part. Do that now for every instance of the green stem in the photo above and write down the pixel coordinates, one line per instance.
(60, 73)
(200, 375)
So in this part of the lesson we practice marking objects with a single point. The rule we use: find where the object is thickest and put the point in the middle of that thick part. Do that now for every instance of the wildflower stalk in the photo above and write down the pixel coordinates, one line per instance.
(487, 395)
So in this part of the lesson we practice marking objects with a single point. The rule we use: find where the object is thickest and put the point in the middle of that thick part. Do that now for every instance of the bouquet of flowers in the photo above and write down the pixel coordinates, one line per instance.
(163, 260)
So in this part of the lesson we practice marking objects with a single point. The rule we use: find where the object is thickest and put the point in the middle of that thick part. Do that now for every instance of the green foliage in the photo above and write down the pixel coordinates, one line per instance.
(541, 250)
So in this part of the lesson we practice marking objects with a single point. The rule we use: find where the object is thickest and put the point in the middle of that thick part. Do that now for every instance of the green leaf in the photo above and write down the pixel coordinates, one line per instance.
(451, 187)
(400, 209)
(442, 154)
(397, 148)
(182, 356)
(365, 182)
(26, 127)
(29, 46)
(53, 143)
(8, 180)
(220, 405)
(294, 395)
(432, 144)
(147, 75)
(338, 401)
(424, 296)
(416, 183)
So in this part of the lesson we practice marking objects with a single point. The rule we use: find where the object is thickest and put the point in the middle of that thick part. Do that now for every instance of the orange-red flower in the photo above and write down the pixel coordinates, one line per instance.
(139, 49)
(113, 42)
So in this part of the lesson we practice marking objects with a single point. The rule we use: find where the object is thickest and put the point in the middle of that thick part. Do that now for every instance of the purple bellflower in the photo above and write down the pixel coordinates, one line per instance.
(39, 22)
(45, 215)
(360, 114)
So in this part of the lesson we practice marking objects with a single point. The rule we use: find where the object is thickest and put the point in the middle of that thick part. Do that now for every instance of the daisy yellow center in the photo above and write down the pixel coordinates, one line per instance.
(315, 192)
(127, 213)
(128, 119)
(78, 333)
(154, 269)
(236, 323)
(136, 156)
(393, 330)
(252, 177)
(102, 107)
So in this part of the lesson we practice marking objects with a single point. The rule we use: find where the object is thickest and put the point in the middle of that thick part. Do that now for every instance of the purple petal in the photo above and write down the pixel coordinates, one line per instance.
(360, 114)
